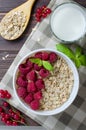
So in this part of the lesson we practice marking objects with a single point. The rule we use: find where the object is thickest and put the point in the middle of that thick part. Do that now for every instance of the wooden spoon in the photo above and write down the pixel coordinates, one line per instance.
(26, 8)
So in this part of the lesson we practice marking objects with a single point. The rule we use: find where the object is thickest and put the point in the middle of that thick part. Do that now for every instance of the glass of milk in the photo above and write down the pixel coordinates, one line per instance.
(68, 22)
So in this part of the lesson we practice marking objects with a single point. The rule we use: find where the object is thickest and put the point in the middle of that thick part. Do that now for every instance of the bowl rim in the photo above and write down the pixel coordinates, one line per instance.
(72, 95)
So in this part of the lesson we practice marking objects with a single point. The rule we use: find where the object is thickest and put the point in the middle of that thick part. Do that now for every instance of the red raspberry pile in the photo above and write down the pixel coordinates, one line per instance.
(30, 80)
(42, 12)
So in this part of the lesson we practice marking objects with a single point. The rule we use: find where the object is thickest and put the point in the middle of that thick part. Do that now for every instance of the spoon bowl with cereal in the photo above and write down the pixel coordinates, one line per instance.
(15, 22)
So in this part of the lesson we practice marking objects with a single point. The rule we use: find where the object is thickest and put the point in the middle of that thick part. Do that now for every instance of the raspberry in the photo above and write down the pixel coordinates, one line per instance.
(31, 87)
(38, 95)
(21, 81)
(24, 69)
(36, 67)
(32, 75)
(52, 57)
(40, 84)
(28, 98)
(44, 73)
(29, 63)
(45, 56)
(22, 92)
(38, 55)
(34, 104)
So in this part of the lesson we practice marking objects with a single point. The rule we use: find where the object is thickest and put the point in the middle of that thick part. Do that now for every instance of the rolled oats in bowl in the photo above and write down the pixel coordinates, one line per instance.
(45, 82)
(58, 86)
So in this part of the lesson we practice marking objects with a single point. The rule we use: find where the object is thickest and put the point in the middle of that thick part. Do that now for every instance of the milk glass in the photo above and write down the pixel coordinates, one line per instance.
(68, 22)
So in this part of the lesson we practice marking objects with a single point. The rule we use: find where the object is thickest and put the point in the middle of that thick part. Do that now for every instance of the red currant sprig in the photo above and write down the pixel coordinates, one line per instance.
(10, 116)
(42, 12)
(5, 94)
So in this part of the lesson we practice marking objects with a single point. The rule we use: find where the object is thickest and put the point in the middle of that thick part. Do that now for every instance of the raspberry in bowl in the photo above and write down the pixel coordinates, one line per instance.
(45, 82)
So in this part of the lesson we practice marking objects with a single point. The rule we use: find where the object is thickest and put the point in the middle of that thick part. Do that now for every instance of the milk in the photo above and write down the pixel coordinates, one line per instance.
(68, 22)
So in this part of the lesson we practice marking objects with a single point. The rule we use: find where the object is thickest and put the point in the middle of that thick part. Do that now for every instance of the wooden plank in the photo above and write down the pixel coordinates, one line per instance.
(6, 5)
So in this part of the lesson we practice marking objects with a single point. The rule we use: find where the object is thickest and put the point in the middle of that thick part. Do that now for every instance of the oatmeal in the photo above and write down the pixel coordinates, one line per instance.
(58, 86)
(12, 25)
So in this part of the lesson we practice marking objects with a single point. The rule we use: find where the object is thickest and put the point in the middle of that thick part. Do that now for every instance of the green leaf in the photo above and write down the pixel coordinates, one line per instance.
(36, 61)
(82, 59)
(47, 65)
(77, 63)
(78, 51)
(67, 51)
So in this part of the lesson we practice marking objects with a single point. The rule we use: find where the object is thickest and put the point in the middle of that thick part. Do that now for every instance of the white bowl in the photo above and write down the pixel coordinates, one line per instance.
(73, 92)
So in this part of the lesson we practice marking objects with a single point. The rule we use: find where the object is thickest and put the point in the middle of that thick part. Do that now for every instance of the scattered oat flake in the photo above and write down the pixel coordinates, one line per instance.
(3, 58)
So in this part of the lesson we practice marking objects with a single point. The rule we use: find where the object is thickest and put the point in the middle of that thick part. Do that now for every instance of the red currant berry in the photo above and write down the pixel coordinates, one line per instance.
(2, 94)
(2, 114)
(5, 104)
(8, 122)
(16, 117)
(14, 123)
(48, 10)
(1, 91)
(37, 15)
(7, 116)
(44, 15)
(39, 10)
(12, 114)
(8, 96)
(43, 7)
(1, 109)
(22, 120)
(6, 92)
(3, 119)
(10, 110)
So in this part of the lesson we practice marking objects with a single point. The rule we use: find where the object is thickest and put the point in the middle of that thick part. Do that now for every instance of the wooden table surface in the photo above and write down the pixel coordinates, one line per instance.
(9, 49)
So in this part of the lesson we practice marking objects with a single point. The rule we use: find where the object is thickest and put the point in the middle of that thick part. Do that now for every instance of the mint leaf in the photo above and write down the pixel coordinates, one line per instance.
(40, 62)
(63, 48)
(36, 61)
(47, 65)
(78, 51)
(78, 58)
(77, 63)
(82, 59)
